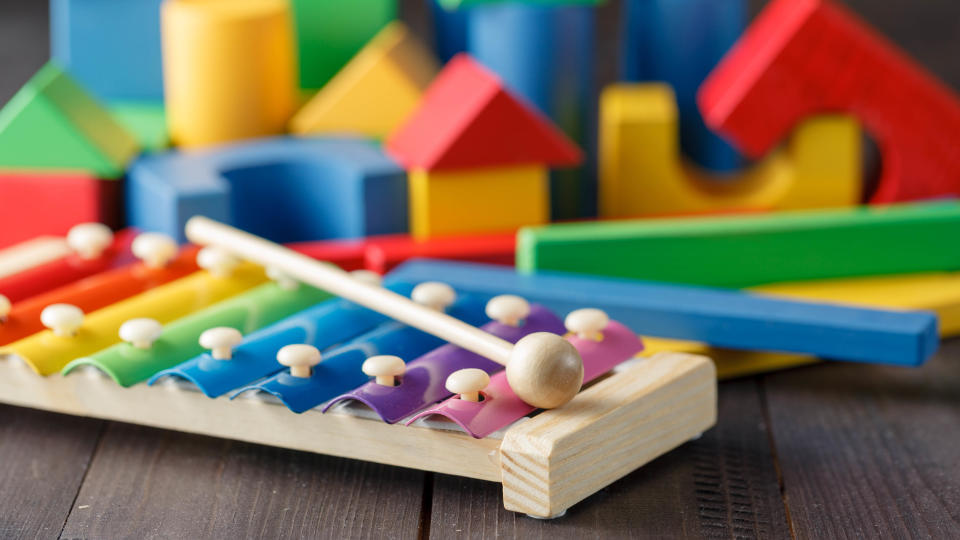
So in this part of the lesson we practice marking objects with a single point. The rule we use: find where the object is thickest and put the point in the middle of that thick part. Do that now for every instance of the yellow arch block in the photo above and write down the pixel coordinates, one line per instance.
(642, 172)
(375, 92)
(229, 69)
(47, 353)
(938, 292)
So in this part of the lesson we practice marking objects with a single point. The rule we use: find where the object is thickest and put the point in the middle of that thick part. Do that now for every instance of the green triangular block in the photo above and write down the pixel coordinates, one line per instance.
(146, 121)
(53, 123)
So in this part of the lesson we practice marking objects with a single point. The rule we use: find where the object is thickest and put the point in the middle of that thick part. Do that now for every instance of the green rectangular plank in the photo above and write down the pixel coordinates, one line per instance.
(743, 251)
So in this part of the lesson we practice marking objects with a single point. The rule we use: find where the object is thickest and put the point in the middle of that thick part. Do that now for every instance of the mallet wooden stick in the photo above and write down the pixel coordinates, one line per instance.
(543, 369)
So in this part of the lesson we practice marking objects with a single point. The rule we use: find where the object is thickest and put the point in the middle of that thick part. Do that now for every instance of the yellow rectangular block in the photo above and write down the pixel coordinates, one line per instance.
(493, 199)
(642, 172)
(47, 353)
(938, 292)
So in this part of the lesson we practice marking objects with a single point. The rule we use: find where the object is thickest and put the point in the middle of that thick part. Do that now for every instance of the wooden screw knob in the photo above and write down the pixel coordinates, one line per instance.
(300, 359)
(282, 279)
(508, 309)
(384, 368)
(63, 319)
(587, 323)
(5, 307)
(221, 341)
(218, 262)
(89, 240)
(468, 383)
(434, 295)
(367, 276)
(141, 333)
(154, 249)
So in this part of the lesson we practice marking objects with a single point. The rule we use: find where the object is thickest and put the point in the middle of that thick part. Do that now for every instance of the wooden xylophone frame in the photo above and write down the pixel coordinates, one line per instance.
(546, 463)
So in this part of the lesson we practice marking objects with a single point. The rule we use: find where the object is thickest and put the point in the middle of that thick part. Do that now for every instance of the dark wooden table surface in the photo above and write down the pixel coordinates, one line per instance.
(834, 450)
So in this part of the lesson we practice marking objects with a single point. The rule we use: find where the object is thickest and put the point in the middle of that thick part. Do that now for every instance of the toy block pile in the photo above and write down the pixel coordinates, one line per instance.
(729, 154)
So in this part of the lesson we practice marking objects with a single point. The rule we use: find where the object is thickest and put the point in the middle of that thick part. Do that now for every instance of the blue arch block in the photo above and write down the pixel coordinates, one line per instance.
(111, 46)
(679, 42)
(285, 189)
(545, 54)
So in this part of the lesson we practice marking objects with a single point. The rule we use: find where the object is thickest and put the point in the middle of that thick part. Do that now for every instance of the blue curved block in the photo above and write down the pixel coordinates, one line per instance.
(545, 54)
(340, 370)
(111, 46)
(322, 326)
(679, 42)
(283, 188)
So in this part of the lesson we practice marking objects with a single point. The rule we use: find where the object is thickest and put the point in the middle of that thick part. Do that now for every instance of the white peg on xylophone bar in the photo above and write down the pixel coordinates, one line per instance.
(89, 240)
(384, 368)
(220, 341)
(283, 280)
(434, 295)
(154, 249)
(543, 369)
(219, 262)
(63, 319)
(141, 333)
(300, 358)
(587, 323)
(508, 309)
(468, 383)
(5, 307)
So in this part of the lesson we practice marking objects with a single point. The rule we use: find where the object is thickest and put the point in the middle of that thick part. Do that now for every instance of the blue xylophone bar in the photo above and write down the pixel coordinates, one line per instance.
(723, 318)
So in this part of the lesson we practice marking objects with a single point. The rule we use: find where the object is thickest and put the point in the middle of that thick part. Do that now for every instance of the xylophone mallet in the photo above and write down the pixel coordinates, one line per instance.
(543, 369)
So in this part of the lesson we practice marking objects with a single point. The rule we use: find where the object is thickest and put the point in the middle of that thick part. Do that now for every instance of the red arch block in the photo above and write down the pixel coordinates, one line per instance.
(803, 57)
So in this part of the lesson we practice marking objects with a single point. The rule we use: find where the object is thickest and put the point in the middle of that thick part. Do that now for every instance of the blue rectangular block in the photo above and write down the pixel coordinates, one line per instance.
(285, 189)
(449, 30)
(723, 318)
(111, 46)
(679, 42)
(545, 54)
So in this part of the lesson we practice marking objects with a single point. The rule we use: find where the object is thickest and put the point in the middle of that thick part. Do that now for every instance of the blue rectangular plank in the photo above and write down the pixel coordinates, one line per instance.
(720, 317)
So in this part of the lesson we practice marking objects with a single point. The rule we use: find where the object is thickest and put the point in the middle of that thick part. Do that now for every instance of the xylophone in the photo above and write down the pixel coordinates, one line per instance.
(238, 340)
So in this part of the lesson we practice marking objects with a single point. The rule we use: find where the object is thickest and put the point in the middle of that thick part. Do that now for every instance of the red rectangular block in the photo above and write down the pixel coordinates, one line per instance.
(803, 57)
(46, 203)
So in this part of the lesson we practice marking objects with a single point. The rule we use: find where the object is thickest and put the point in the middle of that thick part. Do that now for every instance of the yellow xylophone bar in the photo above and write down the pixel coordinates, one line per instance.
(47, 353)
(938, 292)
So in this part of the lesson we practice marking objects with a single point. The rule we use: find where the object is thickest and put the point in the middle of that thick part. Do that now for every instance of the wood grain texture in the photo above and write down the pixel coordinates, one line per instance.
(721, 485)
(43, 460)
(147, 483)
(870, 451)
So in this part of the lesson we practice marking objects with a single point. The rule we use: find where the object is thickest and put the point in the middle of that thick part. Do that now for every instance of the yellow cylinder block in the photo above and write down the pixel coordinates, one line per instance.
(229, 69)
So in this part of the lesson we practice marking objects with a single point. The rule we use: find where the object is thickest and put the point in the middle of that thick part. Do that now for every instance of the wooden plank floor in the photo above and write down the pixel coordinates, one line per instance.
(825, 451)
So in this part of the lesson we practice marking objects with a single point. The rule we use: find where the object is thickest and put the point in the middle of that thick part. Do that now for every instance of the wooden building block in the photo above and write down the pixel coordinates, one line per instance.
(803, 57)
(330, 32)
(146, 121)
(720, 317)
(452, 4)
(468, 119)
(561, 456)
(678, 42)
(112, 48)
(375, 92)
(936, 292)
(287, 189)
(53, 123)
(642, 172)
(229, 69)
(449, 30)
(37, 204)
(744, 251)
(477, 200)
(383, 253)
(544, 53)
